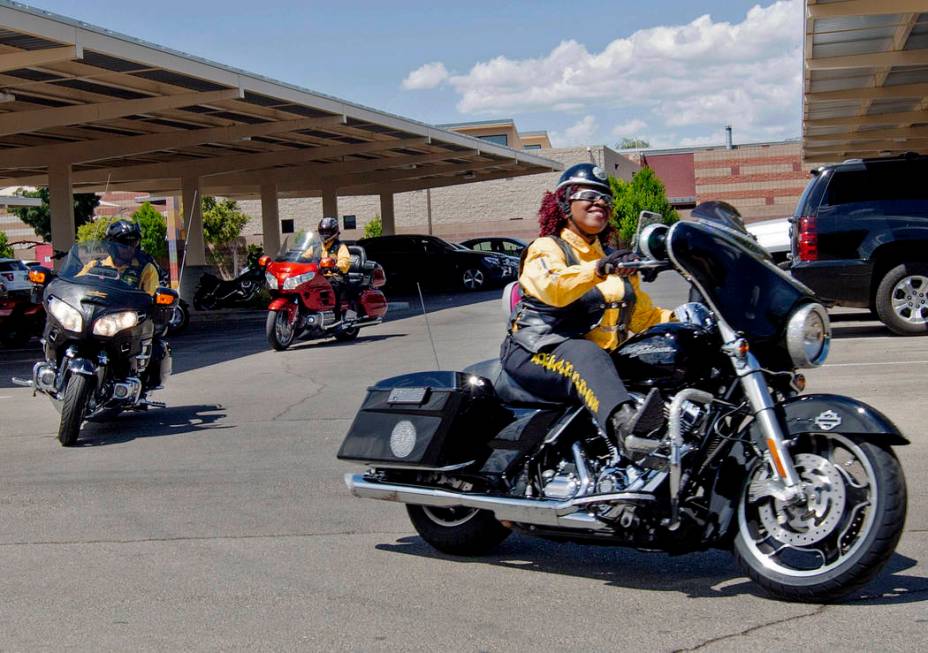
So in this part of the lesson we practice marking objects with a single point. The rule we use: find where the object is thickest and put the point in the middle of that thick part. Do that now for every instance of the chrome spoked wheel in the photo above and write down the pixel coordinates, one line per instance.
(840, 536)
(450, 517)
(910, 299)
(472, 279)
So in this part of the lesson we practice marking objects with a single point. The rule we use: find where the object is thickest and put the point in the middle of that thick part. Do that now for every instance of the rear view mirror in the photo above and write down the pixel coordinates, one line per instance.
(645, 218)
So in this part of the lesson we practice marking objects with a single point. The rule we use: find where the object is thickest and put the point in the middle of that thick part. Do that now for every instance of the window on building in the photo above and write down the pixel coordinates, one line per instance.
(286, 226)
(499, 139)
(350, 221)
(532, 147)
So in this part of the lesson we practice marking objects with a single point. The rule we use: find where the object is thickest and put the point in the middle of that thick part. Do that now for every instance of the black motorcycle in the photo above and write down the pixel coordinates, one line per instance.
(103, 350)
(805, 489)
(213, 292)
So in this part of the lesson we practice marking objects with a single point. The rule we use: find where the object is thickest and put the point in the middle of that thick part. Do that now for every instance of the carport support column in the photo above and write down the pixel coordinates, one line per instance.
(270, 218)
(386, 214)
(329, 202)
(61, 204)
(196, 249)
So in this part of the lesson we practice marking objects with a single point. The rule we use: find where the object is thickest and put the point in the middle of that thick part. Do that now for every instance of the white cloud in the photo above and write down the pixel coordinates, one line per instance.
(425, 76)
(702, 74)
(581, 133)
(633, 127)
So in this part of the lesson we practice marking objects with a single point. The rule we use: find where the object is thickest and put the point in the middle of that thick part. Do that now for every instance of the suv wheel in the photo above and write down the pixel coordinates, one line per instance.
(902, 299)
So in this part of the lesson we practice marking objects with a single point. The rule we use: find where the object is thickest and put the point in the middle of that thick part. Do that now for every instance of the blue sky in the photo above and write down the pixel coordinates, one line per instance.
(671, 71)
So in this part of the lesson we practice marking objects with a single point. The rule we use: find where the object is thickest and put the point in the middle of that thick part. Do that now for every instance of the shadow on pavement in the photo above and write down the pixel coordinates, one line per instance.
(705, 574)
(154, 423)
(435, 302)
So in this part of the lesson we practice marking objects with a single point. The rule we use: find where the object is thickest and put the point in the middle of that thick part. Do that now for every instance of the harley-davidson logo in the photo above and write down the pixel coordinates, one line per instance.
(828, 420)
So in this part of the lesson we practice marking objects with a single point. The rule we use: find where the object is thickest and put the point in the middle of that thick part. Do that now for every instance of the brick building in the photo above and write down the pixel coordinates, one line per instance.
(762, 180)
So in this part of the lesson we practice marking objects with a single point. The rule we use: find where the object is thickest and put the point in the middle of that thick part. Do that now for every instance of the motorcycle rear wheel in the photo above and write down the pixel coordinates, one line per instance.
(458, 531)
(73, 408)
(839, 540)
(280, 333)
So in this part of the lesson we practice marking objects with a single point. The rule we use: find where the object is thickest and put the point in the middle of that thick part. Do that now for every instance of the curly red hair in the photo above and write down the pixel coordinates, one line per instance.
(552, 218)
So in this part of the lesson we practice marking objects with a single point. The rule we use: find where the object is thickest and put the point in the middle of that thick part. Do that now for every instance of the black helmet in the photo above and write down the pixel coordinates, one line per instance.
(328, 228)
(585, 174)
(124, 232)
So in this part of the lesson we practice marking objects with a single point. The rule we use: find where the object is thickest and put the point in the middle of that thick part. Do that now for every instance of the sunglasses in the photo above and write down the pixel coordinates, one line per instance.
(591, 196)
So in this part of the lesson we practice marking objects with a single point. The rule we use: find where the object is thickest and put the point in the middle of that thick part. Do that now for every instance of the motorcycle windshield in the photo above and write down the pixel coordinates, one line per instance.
(737, 279)
(301, 247)
(102, 264)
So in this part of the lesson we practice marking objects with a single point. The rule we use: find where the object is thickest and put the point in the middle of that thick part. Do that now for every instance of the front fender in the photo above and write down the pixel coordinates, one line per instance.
(823, 413)
(82, 366)
(281, 304)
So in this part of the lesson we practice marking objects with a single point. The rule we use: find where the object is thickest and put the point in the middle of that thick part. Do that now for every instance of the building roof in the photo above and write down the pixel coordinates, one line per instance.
(130, 115)
(865, 82)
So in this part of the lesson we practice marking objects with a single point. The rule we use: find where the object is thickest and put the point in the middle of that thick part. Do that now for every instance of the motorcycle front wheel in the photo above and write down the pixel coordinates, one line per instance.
(73, 408)
(839, 538)
(279, 331)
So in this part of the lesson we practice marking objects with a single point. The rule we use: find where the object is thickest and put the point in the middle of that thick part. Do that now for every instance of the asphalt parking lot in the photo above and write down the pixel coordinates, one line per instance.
(222, 522)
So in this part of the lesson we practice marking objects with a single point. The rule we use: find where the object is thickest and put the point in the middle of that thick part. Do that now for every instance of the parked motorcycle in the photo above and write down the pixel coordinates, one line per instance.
(20, 318)
(101, 340)
(213, 292)
(805, 489)
(303, 304)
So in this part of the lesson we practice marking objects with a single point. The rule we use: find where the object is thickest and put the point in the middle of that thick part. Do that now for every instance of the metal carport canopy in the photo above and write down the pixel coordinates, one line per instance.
(128, 115)
(865, 79)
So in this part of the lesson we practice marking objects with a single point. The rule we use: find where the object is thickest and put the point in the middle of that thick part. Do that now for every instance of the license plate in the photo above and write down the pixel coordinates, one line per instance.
(407, 395)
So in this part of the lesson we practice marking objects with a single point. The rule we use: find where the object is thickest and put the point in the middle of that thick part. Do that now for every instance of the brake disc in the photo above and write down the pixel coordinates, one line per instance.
(810, 522)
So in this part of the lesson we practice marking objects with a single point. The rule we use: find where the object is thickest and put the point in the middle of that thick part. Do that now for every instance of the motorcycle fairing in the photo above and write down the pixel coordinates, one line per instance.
(826, 413)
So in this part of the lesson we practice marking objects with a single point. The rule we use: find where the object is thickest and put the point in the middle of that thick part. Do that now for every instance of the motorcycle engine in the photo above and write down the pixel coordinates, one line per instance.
(563, 483)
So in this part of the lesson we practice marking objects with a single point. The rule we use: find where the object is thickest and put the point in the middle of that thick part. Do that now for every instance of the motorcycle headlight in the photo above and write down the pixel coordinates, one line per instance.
(69, 317)
(292, 282)
(808, 336)
(271, 280)
(110, 325)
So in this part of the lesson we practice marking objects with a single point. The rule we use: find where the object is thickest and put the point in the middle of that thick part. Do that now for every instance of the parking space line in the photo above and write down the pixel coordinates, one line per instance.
(877, 363)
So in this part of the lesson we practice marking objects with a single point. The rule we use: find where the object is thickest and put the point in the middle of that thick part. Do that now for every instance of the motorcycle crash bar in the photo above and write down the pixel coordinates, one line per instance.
(537, 512)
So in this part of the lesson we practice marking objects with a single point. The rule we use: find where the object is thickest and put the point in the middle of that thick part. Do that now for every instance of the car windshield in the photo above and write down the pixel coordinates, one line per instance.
(301, 247)
(102, 263)
(10, 266)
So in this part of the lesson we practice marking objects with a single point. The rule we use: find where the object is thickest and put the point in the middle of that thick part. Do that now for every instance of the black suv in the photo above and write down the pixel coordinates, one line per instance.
(436, 263)
(860, 238)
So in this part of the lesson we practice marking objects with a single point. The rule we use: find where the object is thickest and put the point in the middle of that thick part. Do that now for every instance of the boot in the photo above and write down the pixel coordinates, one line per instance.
(631, 424)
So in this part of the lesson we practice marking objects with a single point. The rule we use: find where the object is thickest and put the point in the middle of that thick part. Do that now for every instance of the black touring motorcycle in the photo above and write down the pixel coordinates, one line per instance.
(805, 489)
(103, 353)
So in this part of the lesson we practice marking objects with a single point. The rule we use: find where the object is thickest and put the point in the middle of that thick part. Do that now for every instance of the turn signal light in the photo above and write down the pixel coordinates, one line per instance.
(164, 299)
(327, 262)
(36, 276)
(264, 261)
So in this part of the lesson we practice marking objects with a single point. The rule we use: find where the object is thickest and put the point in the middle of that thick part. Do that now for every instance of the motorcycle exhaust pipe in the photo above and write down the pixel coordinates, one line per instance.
(538, 512)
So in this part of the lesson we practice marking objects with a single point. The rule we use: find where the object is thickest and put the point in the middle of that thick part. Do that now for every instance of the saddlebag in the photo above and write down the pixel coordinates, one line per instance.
(427, 419)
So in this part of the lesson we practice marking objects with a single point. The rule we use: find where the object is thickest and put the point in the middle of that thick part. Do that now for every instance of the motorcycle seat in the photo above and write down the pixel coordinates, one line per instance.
(506, 387)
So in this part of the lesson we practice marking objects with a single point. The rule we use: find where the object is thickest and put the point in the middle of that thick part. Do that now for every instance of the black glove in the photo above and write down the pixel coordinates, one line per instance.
(649, 274)
(613, 261)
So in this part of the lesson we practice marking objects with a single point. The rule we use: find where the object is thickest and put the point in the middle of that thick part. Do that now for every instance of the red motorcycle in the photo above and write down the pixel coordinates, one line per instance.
(20, 316)
(300, 281)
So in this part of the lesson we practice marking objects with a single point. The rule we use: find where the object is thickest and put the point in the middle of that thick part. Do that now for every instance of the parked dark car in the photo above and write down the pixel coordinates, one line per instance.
(436, 263)
(859, 238)
(497, 245)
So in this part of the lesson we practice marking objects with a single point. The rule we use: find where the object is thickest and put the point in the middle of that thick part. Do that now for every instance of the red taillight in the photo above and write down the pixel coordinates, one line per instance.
(807, 243)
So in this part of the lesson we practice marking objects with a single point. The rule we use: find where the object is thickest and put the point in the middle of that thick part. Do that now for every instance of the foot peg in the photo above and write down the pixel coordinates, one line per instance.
(26, 383)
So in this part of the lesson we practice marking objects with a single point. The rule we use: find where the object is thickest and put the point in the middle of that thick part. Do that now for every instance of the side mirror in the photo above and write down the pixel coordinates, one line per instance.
(166, 297)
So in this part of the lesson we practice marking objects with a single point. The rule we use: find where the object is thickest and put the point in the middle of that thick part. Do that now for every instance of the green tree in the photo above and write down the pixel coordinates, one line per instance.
(629, 143)
(5, 250)
(645, 192)
(374, 228)
(222, 225)
(150, 221)
(40, 217)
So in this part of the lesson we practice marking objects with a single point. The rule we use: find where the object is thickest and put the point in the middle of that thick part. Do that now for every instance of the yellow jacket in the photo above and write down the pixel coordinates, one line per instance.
(547, 277)
(342, 258)
(148, 280)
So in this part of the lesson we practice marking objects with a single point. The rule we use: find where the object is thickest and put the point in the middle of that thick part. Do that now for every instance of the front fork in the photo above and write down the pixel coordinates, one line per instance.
(755, 388)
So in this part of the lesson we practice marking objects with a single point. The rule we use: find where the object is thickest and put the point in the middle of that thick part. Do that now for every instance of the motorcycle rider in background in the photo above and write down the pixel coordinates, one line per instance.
(578, 305)
(332, 247)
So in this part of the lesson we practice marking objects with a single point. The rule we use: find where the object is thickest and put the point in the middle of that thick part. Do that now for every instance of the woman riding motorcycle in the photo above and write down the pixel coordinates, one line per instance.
(578, 304)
